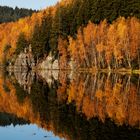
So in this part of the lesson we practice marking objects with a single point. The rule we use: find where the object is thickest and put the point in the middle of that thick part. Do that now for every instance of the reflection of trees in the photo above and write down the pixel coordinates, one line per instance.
(9, 102)
(64, 120)
(106, 95)
(112, 98)
(8, 119)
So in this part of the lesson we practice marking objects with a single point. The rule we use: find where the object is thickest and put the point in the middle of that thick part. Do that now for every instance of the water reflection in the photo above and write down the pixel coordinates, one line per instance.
(25, 80)
(25, 132)
(7, 119)
(102, 95)
(76, 105)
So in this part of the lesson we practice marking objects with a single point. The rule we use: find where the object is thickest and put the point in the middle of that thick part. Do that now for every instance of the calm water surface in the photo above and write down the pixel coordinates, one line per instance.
(25, 132)
(58, 105)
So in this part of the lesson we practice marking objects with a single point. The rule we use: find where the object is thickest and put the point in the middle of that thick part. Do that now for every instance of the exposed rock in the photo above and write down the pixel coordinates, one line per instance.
(55, 65)
(49, 64)
(25, 60)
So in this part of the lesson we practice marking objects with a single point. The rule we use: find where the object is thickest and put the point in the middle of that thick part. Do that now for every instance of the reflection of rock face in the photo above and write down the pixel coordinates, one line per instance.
(24, 61)
(25, 80)
(49, 75)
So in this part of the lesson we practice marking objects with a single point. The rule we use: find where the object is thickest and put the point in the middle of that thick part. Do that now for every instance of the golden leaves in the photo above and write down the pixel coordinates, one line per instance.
(118, 100)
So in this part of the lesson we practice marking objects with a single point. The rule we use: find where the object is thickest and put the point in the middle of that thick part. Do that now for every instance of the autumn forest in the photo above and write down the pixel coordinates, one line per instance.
(78, 33)
(71, 71)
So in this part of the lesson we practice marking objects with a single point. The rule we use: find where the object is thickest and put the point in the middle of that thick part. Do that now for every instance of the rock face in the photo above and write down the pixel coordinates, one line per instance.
(25, 60)
(49, 64)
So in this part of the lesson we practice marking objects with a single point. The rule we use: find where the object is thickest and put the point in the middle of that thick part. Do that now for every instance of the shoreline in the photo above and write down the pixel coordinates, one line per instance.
(81, 70)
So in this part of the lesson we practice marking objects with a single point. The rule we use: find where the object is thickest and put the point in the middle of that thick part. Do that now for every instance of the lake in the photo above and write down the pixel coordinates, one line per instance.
(65, 105)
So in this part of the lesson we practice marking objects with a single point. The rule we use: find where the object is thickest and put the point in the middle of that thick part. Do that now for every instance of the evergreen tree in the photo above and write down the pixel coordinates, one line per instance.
(21, 43)
(41, 37)
(8, 14)
(35, 41)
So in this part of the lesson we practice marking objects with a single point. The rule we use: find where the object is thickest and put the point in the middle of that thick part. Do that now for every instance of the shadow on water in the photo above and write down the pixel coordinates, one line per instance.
(79, 106)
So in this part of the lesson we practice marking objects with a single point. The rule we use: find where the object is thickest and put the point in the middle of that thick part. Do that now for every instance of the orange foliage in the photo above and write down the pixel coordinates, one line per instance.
(63, 52)
(100, 96)
(10, 104)
(107, 45)
(9, 32)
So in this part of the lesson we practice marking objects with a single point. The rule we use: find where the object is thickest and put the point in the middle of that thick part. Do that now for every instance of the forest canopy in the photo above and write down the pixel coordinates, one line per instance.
(67, 19)
(8, 14)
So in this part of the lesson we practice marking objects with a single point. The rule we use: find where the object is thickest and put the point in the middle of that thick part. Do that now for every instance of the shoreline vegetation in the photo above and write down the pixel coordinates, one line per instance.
(82, 70)
(97, 35)
(121, 71)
